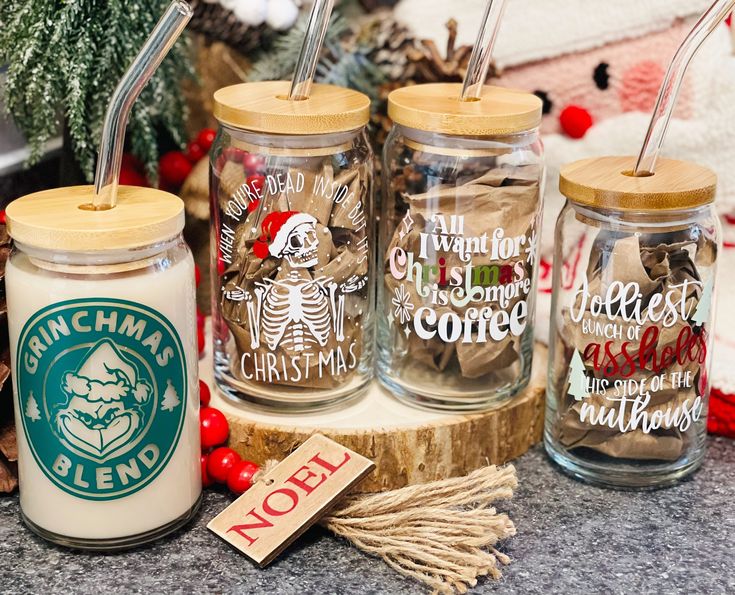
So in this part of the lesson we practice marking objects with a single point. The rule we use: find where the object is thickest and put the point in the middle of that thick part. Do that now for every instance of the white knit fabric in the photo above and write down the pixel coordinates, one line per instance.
(537, 29)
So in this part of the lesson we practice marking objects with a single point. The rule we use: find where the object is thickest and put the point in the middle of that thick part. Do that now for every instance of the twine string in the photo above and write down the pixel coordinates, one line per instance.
(441, 533)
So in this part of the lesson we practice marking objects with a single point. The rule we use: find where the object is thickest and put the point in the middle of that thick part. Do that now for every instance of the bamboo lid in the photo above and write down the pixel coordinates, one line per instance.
(53, 219)
(437, 108)
(264, 107)
(607, 182)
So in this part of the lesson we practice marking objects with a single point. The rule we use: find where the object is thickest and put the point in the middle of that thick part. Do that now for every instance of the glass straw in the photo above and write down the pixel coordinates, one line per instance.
(671, 86)
(161, 40)
(482, 53)
(316, 31)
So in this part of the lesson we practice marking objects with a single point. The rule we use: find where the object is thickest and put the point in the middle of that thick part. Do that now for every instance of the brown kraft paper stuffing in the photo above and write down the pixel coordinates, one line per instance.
(660, 269)
(505, 198)
(295, 296)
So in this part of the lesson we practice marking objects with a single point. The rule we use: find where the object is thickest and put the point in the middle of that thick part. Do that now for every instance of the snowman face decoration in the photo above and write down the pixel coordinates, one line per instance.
(301, 246)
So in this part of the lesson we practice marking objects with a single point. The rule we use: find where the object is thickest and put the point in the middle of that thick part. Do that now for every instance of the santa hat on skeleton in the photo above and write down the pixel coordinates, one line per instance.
(276, 228)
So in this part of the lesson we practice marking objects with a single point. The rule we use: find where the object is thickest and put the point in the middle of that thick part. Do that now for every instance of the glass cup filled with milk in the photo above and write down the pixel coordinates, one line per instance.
(101, 314)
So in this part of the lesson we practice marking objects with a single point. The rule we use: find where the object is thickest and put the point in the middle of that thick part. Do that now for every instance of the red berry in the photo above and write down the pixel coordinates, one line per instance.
(206, 480)
(233, 154)
(240, 477)
(130, 161)
(205, 138)
(575, 121)
(221, 460)
(201, 342)
(213, 427)
(174, 168)
(204, 394)
(197, 275)
(253, 163)
(131, 177)
(194, 152)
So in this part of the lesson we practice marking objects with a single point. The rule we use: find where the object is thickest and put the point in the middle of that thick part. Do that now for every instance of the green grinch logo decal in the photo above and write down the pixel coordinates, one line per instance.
(102, 385)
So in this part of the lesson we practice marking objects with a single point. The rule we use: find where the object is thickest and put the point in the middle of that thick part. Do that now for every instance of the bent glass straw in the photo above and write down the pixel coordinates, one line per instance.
(161, 40)
(646, 164)
(482, 53)
(306, 65)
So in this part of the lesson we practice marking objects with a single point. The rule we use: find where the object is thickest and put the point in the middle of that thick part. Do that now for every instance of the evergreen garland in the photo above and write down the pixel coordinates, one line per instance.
(343, 64)
(65, 59)
(277, 62)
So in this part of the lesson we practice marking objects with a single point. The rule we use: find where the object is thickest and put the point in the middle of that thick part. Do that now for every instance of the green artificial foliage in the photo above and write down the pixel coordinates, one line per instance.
(65, 58)
(277, 62)
(341, 64)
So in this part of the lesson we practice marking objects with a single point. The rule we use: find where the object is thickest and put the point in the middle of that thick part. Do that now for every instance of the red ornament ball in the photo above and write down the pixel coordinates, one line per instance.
(206, 480)
(194, 152)
(213, 427)
(575, 121)
(205, 138)
(240, 477)
(204, 394)
(174, 168)
(256, 183)
(253, 163)
(221, 460)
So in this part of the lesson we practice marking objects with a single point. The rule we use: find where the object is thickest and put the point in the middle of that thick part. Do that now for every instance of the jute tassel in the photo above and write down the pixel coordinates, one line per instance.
(440, 533)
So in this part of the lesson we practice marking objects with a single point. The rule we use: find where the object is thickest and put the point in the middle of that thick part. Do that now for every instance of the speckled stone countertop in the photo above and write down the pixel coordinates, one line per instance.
(572, 538)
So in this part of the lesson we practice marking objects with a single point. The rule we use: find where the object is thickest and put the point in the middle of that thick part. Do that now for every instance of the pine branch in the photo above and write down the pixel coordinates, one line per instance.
(279, 60)
(65, 59)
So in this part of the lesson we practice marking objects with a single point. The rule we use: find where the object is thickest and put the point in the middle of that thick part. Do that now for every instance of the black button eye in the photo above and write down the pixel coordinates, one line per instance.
(602, 76)
(544, 97)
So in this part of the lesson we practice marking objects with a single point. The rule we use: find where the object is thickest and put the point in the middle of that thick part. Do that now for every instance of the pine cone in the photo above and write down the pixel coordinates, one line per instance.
(392, 43)
(371, 5)
(427, 65)
(217, 23)
(8, 445)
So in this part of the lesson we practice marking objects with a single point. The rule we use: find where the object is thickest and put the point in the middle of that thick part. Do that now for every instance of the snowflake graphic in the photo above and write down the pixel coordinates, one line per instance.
(532, 250)
(407, 225)
(403, 305)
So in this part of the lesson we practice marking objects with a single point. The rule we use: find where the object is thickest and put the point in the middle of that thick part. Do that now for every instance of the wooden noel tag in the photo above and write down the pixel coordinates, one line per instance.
(291, 498)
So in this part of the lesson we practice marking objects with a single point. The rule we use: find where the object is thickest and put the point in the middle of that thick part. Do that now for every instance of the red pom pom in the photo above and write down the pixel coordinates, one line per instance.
(194, 151)
(205, 138)
(174, 168)
(240, 477)
(575, 121)
(204, 394)
(213, 427)
(221, 460)
(206, 480)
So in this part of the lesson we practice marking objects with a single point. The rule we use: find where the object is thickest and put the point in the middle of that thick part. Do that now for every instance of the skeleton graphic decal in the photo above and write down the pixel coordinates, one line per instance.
(296, 313)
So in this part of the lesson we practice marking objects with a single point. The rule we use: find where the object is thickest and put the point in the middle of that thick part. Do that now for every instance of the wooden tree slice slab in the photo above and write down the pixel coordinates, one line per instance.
(408, 445)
